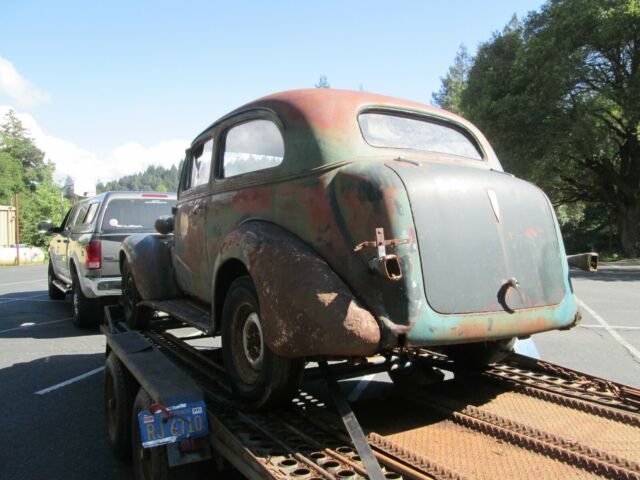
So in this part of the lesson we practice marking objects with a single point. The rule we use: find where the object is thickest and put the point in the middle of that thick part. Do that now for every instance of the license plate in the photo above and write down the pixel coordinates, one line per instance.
(173, 424)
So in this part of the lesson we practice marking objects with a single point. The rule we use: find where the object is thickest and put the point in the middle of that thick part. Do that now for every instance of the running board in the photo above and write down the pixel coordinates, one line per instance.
(62, 286)
(185, 311)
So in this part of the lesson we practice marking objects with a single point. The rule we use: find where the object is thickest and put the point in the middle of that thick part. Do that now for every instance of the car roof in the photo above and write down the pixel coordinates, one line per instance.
(320, 125)
(131, 194)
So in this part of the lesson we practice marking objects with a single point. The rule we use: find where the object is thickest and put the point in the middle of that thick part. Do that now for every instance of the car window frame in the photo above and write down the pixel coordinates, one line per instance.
(185, 175)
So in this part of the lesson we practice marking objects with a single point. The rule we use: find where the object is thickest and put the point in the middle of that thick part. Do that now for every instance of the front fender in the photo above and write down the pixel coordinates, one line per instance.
(305, 308)
(150, 259)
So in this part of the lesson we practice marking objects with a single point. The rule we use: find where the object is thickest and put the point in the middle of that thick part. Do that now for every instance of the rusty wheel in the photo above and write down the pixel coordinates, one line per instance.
(258, 376)
(136, 317)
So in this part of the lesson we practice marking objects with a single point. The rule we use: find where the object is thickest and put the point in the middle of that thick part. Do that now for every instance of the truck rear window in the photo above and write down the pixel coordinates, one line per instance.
(395, 131)
(134, 214)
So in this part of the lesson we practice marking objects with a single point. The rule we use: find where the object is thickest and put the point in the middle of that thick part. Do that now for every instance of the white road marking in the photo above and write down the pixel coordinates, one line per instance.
(360, 387)
(634, 352)
(44, 391)
(25, 325)
(615, 327)
(20, 283)
(17, 299)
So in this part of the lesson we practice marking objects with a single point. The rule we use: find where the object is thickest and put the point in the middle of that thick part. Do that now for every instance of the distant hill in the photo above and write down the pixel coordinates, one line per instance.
(153, 178)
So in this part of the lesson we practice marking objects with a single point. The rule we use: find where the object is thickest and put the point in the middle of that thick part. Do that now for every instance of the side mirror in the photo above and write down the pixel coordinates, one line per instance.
(45, 226)
(164, 224)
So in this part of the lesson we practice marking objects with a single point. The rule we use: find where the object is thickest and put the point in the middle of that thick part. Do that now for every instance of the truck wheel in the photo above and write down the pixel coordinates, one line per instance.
(54, 292)
(152, 463)
(86, 311)
(137, 317)
(120, 389)
(258, 376)
(480, 355)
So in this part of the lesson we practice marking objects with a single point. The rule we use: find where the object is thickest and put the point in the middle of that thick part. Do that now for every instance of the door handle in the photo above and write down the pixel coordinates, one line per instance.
(198, 208)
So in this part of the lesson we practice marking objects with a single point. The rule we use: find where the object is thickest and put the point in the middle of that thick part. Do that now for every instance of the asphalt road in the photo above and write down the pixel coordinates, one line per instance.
(60, 433)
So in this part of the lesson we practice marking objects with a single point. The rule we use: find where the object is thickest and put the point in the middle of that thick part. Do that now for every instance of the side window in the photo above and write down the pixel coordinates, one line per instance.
(201, 164)
(91, 213)
(252, 146)
(78, 216)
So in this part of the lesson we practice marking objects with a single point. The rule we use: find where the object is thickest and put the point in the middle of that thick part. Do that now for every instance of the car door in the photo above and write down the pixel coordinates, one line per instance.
(60, 244)
(192, 261)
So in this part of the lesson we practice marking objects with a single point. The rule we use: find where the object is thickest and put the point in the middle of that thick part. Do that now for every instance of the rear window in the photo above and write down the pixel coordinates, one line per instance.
(394, 131)
(134, 214)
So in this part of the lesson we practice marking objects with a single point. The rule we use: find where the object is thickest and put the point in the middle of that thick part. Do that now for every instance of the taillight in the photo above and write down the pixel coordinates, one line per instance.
(94, 254)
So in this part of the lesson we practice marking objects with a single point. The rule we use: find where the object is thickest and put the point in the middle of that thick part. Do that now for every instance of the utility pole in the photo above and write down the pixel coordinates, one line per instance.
(17, 228)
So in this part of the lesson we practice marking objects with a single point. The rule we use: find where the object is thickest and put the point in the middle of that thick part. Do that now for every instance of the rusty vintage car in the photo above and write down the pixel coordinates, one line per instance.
(327, 223)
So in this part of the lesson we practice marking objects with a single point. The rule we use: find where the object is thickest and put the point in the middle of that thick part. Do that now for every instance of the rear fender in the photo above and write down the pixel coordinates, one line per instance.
(150, 259)
(305, 308)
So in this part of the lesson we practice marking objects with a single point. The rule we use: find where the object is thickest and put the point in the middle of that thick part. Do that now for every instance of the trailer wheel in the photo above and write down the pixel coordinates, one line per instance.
(152, 463)
(137, 317)
(479, 355)
(119, 393)
(86, 311)
(258, 376)
(54, 292)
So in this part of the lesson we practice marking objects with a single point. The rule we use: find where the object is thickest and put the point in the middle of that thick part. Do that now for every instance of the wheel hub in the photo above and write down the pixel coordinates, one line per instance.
(252, 342)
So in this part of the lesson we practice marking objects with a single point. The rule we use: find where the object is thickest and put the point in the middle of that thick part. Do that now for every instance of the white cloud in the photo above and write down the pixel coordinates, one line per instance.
(86, 167)
(19, 89)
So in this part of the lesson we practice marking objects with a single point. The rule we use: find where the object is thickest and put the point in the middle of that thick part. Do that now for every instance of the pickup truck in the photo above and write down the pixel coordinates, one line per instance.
(83, 252)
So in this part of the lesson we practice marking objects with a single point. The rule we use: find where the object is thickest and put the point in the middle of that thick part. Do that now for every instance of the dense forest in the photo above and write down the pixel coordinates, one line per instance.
(558, 96)
(154, 178)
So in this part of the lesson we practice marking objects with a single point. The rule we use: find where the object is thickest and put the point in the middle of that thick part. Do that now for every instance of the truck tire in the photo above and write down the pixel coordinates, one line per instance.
(137, 317)
(259, 377)
(54, 292)
(120, 388)
(152, 463)
(86, 311)
(479, 355)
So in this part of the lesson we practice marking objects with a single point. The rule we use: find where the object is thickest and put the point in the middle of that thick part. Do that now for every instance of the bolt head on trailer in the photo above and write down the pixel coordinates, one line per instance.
(322, 222)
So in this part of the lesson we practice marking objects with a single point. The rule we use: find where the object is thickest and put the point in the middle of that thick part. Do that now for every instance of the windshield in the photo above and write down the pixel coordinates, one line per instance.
(137, 214)
(394, 131)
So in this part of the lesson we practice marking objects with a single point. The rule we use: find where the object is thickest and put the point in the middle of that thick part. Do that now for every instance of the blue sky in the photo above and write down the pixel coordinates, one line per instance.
(110, 87)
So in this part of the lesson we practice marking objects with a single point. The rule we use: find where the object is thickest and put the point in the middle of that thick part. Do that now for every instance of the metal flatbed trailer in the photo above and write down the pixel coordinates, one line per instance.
(521, 418)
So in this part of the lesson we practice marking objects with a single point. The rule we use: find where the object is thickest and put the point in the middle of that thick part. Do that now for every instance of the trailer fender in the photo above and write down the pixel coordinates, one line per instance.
(150, 259)
(305, 308)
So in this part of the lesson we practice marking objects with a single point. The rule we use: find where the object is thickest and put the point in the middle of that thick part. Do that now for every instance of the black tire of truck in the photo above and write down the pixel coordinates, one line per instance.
(54, 292)
(152, 463)
(135, 316)
(120, 389)
(478, 356)
(86, 311)
(259, 377)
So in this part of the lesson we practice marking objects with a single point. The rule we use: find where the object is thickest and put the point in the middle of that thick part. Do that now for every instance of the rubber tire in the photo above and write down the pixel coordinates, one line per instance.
(478, 356)
(152, 463)
(136, 317)
(279, 378)
(86, 311)
(120, 388)
(54, 292)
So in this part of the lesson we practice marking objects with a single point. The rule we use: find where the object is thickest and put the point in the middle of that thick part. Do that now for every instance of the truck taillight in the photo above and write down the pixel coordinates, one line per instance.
(94, 254)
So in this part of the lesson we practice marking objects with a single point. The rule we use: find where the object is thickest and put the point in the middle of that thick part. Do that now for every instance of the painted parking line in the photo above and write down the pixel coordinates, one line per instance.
(18, 299)
(615, 327)
(44, 391)
(634, 352)
(25, 281)
(360, 387)
(31, 325)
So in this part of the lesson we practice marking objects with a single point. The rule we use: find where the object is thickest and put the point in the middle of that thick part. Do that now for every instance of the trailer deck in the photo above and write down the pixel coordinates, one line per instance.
(521, 418)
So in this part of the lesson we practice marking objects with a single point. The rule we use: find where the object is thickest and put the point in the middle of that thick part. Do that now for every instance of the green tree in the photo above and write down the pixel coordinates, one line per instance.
(454, 82)
(559, 97)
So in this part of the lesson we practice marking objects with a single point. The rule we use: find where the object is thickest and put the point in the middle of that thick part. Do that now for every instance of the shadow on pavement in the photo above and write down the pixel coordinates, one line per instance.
(610, 274)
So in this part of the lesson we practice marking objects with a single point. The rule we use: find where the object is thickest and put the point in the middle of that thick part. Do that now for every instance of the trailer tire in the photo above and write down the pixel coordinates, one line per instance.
(120, 388)
(86, 311)
(54, 292)
(152, 463)
(258, 376)
(136, 317)
(479, 355)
